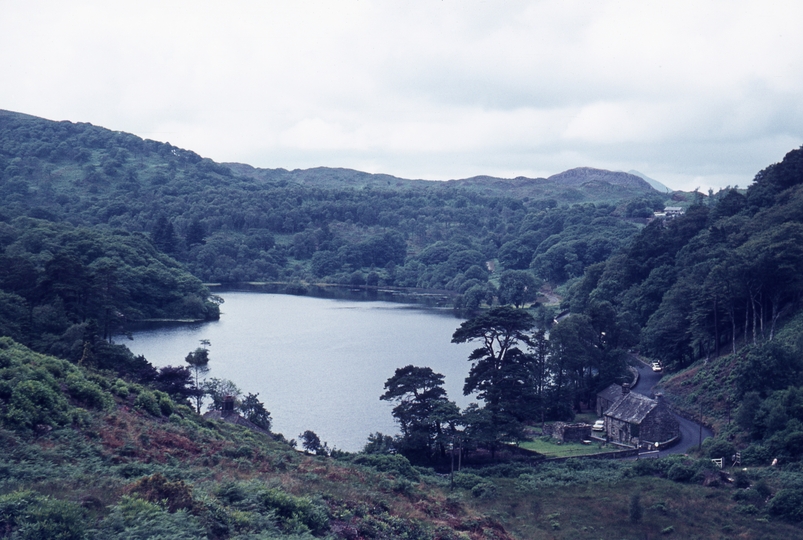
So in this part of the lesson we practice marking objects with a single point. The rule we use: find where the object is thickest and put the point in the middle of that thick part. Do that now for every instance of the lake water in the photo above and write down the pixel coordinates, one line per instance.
(318, 364)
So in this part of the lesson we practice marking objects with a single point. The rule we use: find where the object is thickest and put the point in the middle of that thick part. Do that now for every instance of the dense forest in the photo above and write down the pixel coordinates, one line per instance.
(101, 229)
(234, 223)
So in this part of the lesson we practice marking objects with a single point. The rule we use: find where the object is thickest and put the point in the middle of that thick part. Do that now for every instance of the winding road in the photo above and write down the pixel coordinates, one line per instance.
(689, 431)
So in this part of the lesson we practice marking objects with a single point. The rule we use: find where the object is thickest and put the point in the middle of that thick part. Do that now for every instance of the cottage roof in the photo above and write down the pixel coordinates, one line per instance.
(631, 408)
(612, 393)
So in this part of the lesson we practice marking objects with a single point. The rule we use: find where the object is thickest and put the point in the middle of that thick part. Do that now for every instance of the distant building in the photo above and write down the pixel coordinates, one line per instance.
(608, 397)
(672, 211)
(229, 415)
(639, 421)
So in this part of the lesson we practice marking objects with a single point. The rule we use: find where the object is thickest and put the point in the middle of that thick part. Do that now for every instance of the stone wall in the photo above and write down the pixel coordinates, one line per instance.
(568, 432)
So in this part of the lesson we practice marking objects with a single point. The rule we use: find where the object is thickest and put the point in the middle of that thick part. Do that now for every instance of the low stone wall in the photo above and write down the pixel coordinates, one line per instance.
(662, 445)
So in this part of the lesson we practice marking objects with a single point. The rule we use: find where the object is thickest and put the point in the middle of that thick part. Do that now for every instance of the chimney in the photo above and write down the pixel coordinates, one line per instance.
(228, 405)
(625, 388)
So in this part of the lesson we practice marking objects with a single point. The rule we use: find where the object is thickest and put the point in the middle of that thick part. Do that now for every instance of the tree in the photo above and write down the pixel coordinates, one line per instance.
(175, 381)
(195, 233)
(199, 365)
(379, 443)
(164, 235)
(574, 363)
(254, 411)
(219, 390)
(539, 373)
(312, 443)
(422, 410)
(517, 287)
(499, 369)
(499, 331)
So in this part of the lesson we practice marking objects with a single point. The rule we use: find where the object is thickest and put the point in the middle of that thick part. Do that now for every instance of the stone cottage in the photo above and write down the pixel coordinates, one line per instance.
(608, 397)
(637, 420)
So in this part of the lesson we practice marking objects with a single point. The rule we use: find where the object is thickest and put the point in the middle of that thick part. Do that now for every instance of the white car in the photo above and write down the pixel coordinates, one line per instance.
(599, 425)
(656, 366)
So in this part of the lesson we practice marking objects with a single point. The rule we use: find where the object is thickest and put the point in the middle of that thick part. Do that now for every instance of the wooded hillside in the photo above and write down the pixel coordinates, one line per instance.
(101, 228)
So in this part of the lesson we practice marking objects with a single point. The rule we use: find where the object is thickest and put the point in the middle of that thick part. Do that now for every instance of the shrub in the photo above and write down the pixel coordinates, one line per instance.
(741, 479)
(136, 518)
(647, 467)
(242, 451)
(718, 448)
(148, 402)
(120, 388)
(33, 403)
(54, 520)
(34, 517)
(484, 490)
(756, 454)
(293, 512)
(166, 405)
(787, 504)
(390, 463)
(87, 392)
(466, 480)
(158, 489)
(680, 472)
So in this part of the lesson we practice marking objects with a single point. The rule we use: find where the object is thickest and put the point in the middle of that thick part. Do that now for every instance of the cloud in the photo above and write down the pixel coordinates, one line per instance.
(684, 92)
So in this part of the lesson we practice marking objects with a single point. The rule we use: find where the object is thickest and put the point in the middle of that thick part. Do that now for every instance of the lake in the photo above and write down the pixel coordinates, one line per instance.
(318, 364)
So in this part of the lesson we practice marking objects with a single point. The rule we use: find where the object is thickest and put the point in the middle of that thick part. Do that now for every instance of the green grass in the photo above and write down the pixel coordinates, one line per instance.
(555, 449)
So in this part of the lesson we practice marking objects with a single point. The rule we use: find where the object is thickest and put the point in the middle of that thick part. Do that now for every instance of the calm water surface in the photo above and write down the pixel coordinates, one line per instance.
(318, 364)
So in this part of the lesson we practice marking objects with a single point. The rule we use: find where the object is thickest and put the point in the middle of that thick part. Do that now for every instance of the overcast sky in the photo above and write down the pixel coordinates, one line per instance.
(693, 94)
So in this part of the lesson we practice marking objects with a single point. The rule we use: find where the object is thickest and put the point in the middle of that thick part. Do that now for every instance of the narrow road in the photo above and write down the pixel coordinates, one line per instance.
(689, 431)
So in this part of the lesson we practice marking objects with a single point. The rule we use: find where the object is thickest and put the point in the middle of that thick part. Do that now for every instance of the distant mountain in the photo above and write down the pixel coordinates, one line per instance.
(576, 185)
(582, 176)
(654, 183)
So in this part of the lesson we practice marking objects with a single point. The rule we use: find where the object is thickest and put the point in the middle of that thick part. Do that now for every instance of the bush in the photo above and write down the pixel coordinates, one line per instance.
(34, 517)
(87, 392)
(295, 514)
(484, 490)
(166, 405)
(158, 489)
(34, 403)
(390, 463)
(756, 455)
(787, 504)
(53, 520)
(716, 448)
(741, 479)
(135, 518)
(680, 472)
(120, 388)
(148, 402)
(466, 480)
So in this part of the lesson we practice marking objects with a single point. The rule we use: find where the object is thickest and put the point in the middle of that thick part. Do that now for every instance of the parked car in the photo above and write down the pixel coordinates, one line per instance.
(599, 425)
(656, 366)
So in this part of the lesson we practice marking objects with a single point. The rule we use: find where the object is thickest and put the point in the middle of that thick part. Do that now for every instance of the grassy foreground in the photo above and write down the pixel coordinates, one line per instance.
(91, 456)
